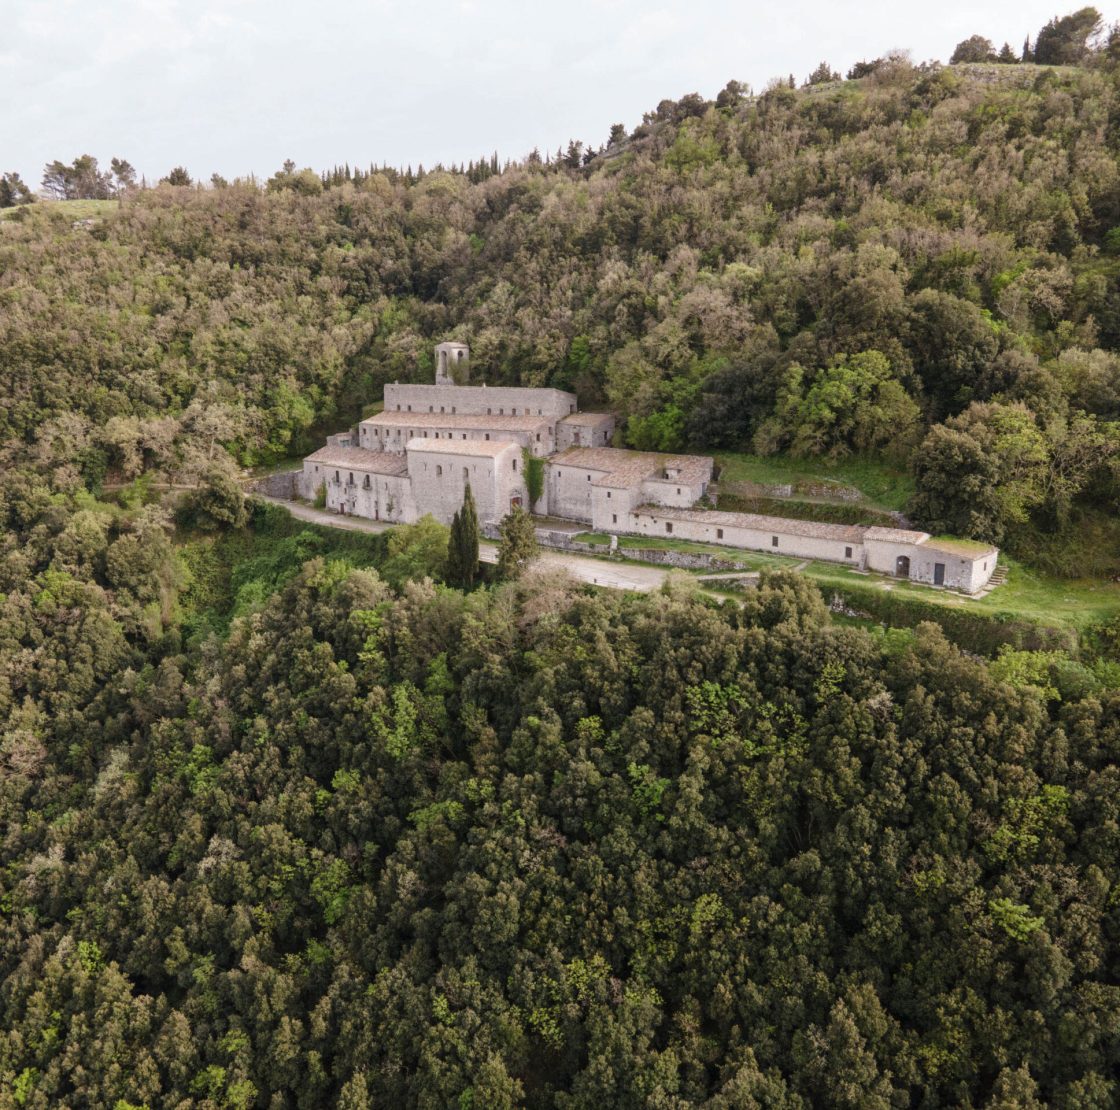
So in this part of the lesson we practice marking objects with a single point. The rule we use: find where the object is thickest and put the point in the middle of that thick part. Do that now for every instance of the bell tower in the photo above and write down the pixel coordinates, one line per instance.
(453, 362)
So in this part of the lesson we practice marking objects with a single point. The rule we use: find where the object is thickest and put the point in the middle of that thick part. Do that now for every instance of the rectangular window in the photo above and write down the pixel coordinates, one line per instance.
(538, 437)
(719, 533)
(608, 495)
(487, 434)
(589, 477)
(430, 409)
(439, 471)
(614, 518)
(514, 464)
(678, 491)
(847, 552)
(466, 473)
(668, 526)
(773, 541)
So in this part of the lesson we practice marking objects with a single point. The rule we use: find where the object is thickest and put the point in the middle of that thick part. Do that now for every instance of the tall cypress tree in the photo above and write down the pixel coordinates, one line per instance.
(462, 545)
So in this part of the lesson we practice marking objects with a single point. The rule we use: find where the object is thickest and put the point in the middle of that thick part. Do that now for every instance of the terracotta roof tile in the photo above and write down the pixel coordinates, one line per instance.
(455, 420)
(622, 469)
(779, 525)
(483, 448)
(358, 458)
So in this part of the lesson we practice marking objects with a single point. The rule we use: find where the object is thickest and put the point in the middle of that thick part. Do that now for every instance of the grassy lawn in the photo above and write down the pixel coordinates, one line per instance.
(883, 486)
(1027, 595)
(75, 209)
(750, 559)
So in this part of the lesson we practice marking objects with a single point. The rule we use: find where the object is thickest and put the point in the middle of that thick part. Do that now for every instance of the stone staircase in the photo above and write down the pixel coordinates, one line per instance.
(999, 576)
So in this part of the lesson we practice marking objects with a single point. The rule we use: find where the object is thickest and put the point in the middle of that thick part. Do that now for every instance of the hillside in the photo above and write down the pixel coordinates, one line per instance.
(923, 264)
(287, 820)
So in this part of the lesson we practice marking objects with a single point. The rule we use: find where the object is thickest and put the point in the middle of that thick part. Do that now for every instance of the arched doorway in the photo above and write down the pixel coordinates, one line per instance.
(902, 566)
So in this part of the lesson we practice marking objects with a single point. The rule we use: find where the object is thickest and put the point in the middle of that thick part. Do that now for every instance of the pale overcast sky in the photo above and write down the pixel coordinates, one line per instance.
(237, 86)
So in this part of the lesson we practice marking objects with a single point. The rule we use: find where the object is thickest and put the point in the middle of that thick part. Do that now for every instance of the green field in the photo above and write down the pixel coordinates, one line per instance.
(1028, 595)
(883, 486)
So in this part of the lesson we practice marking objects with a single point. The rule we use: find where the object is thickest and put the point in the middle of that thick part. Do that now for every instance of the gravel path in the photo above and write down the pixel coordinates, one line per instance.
(598, 572)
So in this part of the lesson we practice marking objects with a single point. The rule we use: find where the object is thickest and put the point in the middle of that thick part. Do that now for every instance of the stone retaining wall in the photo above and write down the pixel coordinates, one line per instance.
(285, 484)
(664, 557)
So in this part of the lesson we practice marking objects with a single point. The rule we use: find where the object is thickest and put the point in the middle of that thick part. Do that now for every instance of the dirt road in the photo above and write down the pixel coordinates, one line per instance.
(599, 572)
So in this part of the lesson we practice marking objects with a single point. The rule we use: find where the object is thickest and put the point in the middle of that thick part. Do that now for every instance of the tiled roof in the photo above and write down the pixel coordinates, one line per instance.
(965, 549)
(778, 525)
(622, 469)
(358, 458)
(894, 535)
(481, 391)
(484, 448)
(588, 419)
(456, 420)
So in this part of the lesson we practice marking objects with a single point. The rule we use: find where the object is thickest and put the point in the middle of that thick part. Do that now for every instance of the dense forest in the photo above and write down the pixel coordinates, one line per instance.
(287, 819)
(922, 264)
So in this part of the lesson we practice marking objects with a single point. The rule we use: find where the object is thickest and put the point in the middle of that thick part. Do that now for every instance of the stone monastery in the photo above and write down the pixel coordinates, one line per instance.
(417, 455)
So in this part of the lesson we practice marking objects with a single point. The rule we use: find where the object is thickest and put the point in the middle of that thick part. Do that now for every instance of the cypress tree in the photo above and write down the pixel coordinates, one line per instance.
(462, 545)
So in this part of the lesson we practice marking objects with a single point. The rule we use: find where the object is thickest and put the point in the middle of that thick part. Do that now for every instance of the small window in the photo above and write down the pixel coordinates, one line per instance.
(487, 434)
(847, 552)
(464, 435)
(441, 408)
(336, 477)
(608, 495)
(452, 409)
(365, 484)
(614, 518)
(439, 471)
(398, 408)
(668, 526)
(501, 412)
(538, 437)
(410, 408)
(513, 411)
(773, 541)
(430, 409)
(589, 477)
(514, 464)
(489, 412)
(466, 473)
(719, 533)
(678, 491)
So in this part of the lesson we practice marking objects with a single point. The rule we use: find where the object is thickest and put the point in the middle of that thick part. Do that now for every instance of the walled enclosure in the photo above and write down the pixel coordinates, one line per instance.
(416, 456)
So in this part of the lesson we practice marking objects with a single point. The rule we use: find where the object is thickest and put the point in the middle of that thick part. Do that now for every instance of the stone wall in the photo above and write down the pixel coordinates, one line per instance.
(480, 400)
(284, 484)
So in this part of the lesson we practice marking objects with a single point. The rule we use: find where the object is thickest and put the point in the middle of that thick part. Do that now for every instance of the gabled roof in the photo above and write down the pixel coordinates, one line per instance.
(588, 419)
(464, 420)
(894, 535)
(358, 458)
(777, 525)
(480, 448)
(620, 469)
